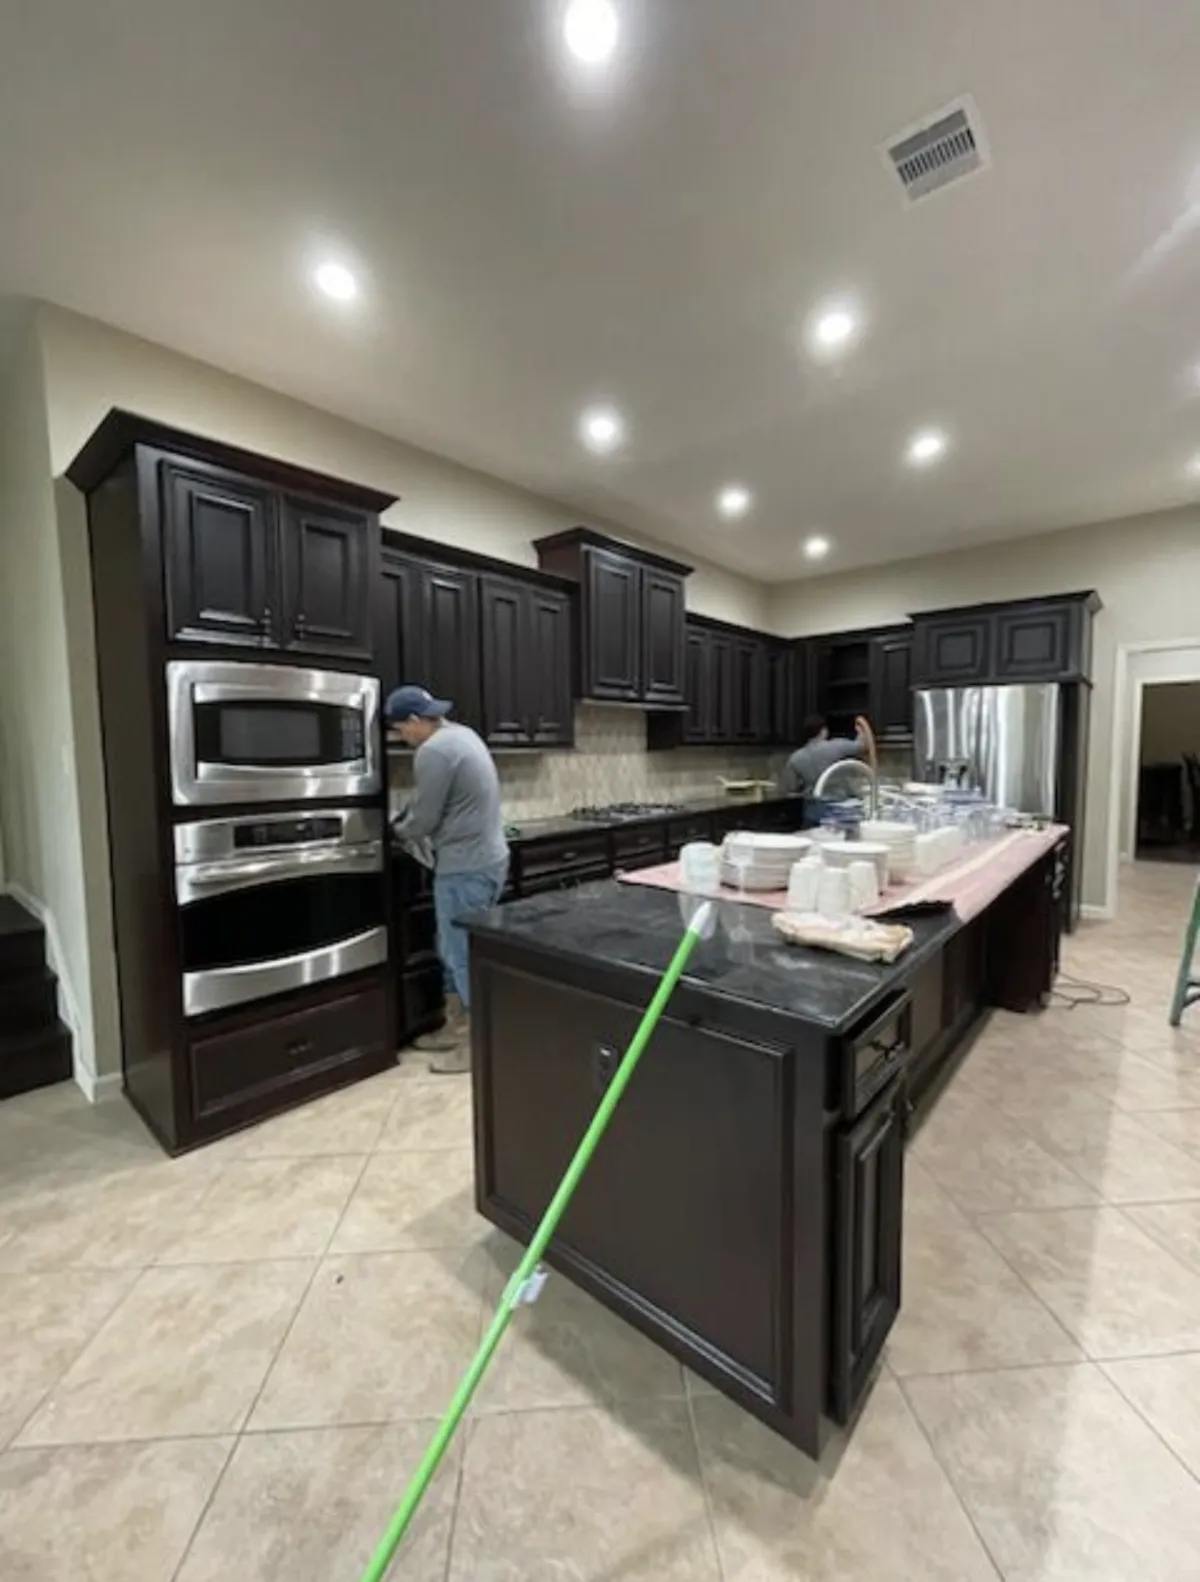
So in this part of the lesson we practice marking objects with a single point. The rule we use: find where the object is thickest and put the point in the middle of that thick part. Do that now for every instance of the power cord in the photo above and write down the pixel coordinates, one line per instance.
(1070, 993)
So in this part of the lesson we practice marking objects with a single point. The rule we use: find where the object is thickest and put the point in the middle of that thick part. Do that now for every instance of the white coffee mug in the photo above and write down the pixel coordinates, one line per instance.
(804, 885)
(864, 884)
(833, 895)
(700, 865)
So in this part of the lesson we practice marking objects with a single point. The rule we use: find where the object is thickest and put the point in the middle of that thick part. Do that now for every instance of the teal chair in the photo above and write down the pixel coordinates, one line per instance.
(1187, 987)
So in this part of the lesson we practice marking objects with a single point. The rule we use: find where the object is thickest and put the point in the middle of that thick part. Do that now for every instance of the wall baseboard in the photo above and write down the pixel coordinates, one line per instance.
(1097, 914)
(97, 1089)
(82, 1055)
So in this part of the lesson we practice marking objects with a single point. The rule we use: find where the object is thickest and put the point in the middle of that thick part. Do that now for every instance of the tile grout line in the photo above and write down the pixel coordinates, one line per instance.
(1135, 1408)
(705, 1491)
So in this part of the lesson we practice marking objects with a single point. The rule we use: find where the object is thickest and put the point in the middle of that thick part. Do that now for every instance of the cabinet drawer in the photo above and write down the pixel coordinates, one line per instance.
(871, 1056)
(545, 863)
(229, 1069)
(421, 1001)
(639, 847)
(682, 831)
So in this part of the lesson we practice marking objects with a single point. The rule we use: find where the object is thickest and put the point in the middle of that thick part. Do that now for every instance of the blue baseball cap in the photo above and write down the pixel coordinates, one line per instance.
(406, 702)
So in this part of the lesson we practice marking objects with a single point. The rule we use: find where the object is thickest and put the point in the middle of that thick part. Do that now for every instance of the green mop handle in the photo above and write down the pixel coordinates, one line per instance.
(390, 1542)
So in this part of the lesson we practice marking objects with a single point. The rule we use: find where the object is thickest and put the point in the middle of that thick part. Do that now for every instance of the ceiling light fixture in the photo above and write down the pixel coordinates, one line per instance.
(926, 447)
(601, 429)
(336, 281)
(834, 328)
(1193, 465)
(734, 500)
(590, 29)
(816, 547)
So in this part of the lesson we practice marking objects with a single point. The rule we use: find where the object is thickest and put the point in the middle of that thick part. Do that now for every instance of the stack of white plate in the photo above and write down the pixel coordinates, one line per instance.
(754, 861)
(900, 840)
(841, 853)
(939, 847)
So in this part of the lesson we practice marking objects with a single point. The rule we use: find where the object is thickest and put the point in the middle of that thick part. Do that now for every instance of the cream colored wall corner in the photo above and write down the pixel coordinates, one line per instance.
(41, 802)
(1146, 569)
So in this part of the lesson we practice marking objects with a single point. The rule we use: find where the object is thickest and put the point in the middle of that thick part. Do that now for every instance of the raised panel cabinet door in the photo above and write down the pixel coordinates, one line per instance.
(721, 670)
(448, 657)
(952, 650)
(697, 686)
(1037, 644)
(891, 687)
(219, 535)
(326, 580)
(662, 636)
(397, 621)
(612, 646)
(779, 670)
(868, 1214)
(504, 622)
(749, 679)
(547, 668)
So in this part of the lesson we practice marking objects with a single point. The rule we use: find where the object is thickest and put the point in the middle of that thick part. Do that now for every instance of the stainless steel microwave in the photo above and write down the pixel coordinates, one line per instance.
(270, 733)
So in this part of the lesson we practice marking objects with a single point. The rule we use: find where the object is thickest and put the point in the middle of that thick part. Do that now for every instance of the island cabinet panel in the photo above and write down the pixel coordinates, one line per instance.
(686, 1201)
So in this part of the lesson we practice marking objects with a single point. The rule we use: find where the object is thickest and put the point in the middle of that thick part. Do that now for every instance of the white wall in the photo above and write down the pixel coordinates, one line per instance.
(73, 371)
(40, 791)
(1146, 570)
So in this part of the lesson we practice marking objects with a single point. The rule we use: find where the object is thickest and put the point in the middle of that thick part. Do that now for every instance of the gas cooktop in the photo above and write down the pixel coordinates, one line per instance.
(622, 812)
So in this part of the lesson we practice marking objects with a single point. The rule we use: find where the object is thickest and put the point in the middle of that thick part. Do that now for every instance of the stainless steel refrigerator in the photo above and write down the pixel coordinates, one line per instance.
(1024, 747)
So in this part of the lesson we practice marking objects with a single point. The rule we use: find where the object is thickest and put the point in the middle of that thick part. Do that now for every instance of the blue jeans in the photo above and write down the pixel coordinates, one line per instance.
(455, 896)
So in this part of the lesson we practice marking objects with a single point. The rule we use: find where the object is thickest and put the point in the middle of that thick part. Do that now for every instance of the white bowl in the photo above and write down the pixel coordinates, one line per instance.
(842, 853)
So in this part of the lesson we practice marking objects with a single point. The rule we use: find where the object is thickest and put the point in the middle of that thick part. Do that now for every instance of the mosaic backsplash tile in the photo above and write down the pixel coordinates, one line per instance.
(610, 764)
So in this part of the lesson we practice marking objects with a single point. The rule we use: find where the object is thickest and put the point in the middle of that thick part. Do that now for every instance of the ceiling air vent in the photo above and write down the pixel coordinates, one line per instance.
(939, 151)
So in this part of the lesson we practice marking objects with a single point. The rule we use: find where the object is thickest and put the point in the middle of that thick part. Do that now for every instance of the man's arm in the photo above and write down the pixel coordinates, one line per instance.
(789, 779)
(432, 777)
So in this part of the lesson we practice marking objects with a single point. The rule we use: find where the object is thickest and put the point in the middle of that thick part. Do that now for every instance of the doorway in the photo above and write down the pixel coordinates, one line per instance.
(1167, 818)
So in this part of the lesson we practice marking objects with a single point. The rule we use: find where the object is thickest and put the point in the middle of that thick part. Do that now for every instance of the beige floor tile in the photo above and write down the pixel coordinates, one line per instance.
(411, 1200)
(104, 1513)
(963, 1307)
(878, 1506)
(1117, 1154)
(266, 1208)
(186, 1353)
(586, 1494)
(120, 1221)
(1108, 1283)
(1166, 1391)
(986, 1164)
(430, 1113)
(1062, 1477)
(45, 1322)
(349, 1122)
(1174, 1226)
(567, 1350)
(1181, 1128)
(311, 1506)
(380, 1338)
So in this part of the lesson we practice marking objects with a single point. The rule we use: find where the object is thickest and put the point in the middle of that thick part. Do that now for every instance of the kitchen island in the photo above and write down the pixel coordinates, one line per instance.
(745, 1209)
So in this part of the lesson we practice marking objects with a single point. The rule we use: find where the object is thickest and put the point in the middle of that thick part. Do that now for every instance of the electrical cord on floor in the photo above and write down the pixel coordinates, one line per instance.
(1070, 993)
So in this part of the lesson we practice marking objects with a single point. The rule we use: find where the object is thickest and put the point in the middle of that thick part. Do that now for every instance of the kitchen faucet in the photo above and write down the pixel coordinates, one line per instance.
(857, 765)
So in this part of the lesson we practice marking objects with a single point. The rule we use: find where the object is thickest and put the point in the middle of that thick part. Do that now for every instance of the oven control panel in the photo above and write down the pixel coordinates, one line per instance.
(256, 833)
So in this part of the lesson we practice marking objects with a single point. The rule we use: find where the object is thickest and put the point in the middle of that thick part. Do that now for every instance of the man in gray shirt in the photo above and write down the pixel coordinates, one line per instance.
(455, 810)
(817, 752)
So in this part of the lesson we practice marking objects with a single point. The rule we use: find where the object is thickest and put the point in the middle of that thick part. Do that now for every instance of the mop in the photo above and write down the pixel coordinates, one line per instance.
(527, 1281)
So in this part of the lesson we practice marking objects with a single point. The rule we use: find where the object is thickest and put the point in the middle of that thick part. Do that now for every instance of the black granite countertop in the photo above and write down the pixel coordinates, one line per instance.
(638, 928)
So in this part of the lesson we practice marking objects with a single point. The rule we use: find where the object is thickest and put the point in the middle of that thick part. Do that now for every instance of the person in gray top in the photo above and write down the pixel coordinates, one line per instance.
(455, 811)
(817, 752)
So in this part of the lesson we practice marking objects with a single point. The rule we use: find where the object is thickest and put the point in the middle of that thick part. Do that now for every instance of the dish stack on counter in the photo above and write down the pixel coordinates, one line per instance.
(900, 841)
(755, 861)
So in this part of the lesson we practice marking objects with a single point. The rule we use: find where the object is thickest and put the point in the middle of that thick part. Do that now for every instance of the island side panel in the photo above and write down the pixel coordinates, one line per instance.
(703, 1218)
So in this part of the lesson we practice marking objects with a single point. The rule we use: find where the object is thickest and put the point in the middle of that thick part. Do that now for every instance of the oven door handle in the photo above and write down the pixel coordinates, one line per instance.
(212, 878)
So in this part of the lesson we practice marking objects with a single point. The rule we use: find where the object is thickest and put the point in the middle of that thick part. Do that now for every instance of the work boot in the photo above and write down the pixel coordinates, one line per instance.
(456, 1060)
(447, 1036)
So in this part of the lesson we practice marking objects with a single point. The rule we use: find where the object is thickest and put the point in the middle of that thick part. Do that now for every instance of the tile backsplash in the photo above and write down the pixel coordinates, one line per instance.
(609, 764)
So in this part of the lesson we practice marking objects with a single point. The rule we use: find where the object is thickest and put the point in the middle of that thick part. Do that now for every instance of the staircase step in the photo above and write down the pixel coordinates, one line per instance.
(35, 1060)
(28, 1002)
(22, 939)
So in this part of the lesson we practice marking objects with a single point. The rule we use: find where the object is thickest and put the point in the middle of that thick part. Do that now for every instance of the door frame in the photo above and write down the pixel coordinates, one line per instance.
(1167, 660)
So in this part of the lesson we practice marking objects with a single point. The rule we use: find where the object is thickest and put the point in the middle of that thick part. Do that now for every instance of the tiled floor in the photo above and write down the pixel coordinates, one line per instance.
(228, 1365)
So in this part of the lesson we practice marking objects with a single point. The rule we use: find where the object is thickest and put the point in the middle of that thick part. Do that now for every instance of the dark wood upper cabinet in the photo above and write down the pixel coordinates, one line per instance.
(749, 690)
(219, 547)
(891, 707)
(503, 613)
(448, 635)
(326, 566)
(697, 723)
(631, 617)
(780, 693)
(662, 637)
(721, 679)
(551, 693)
(1028, 640)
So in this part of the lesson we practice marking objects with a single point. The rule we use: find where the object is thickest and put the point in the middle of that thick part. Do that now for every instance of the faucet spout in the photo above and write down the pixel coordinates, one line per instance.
(853, 766)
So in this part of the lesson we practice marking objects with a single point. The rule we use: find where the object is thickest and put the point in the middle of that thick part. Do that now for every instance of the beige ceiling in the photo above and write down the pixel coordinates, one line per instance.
(655, 239)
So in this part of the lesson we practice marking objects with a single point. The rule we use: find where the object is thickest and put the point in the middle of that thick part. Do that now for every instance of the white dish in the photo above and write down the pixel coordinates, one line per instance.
(843, 853)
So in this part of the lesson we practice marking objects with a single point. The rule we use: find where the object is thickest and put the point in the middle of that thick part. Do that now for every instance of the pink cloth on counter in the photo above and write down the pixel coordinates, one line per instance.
(969, 884)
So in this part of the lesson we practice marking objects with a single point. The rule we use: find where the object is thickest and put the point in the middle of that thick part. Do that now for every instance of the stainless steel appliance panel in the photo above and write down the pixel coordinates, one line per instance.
(1007, 737)
(219, 988)
(270, 733)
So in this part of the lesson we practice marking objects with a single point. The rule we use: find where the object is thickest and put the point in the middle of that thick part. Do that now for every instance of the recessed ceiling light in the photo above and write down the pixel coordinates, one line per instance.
(336, 281)
(816, 547)
(590, 29)
(926, 447)
(833, 329)
(601, 429)
(734, 500)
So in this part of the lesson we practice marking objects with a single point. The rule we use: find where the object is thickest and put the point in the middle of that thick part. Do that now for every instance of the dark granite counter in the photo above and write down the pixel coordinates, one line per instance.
(636, 928)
